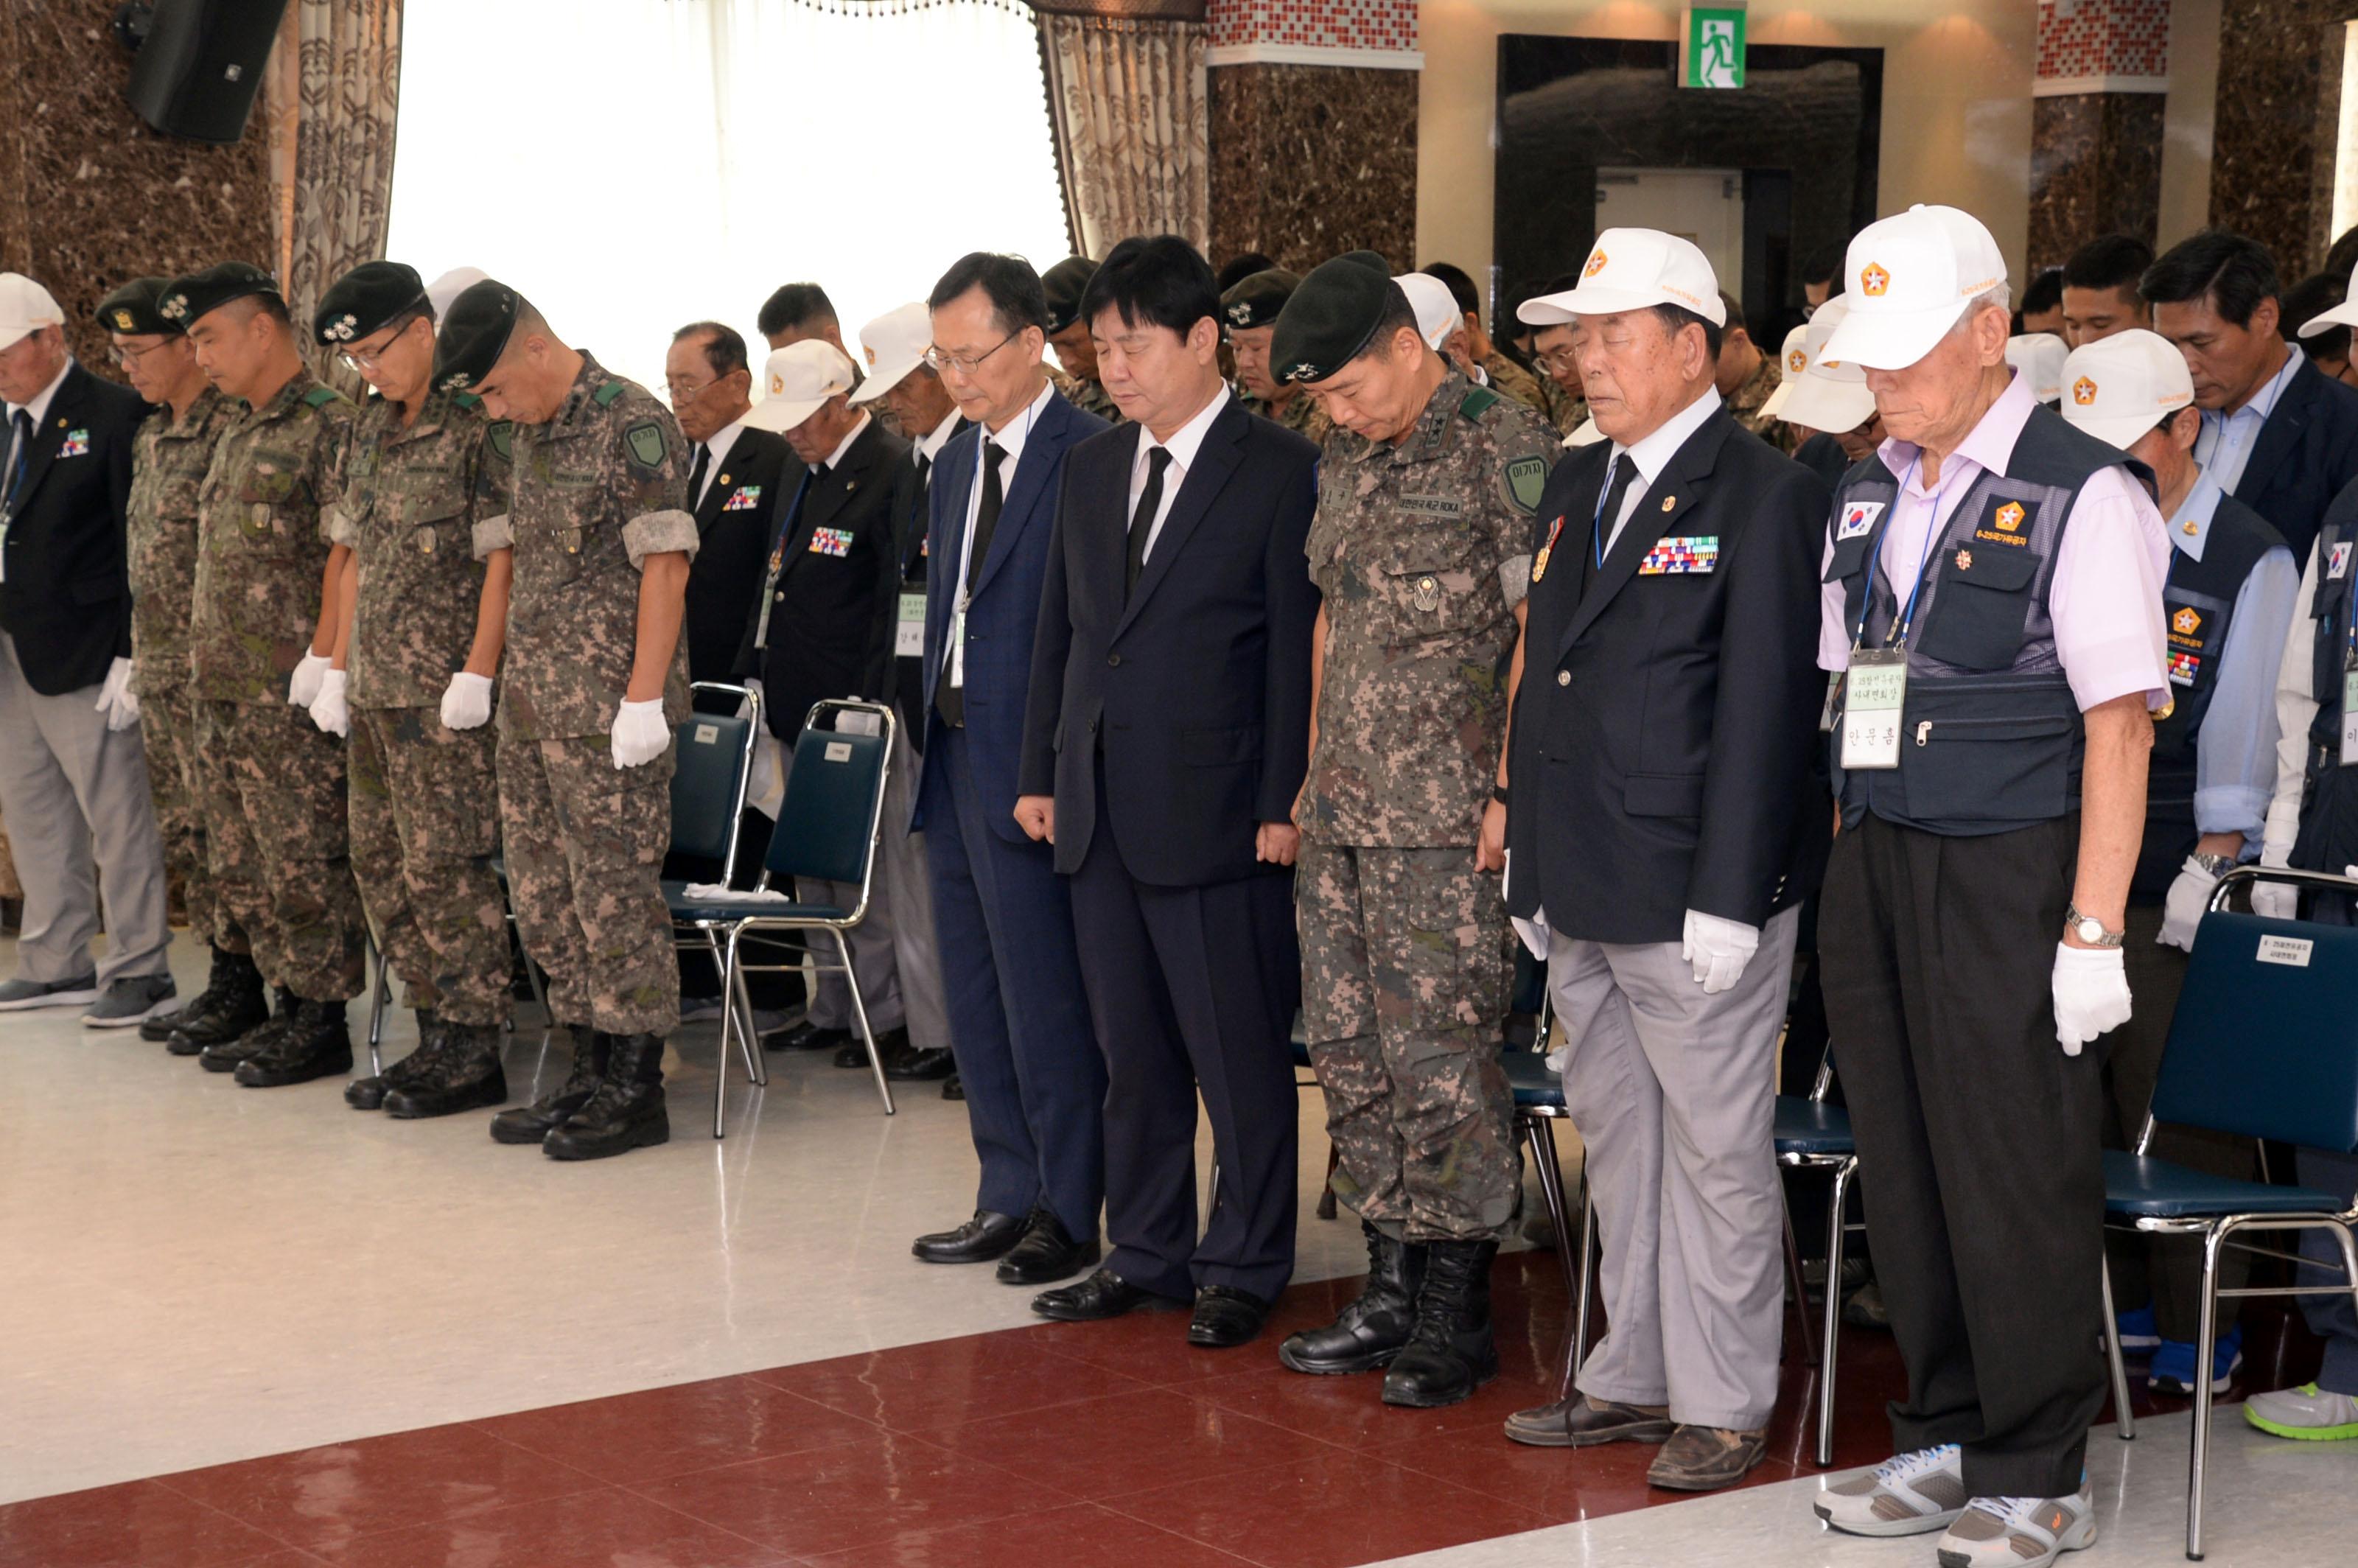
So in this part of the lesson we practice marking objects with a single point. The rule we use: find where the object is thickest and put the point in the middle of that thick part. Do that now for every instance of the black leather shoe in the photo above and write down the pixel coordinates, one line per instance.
(1102, 1295)
(314, 1044)
(923, 1067)
(1225, 1317)
(953, 1088)
(988, 1236)
(626, 1113)
(1368, 1332)
(892, 1045)
(533, 1123)
(1046, 1252)
(463, 1073)
(223, 1056)
(243, 1004)
(807, 1036)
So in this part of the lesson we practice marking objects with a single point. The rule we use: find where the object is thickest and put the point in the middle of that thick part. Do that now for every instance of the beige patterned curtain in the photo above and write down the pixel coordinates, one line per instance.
(335, 79)
(1128, 106)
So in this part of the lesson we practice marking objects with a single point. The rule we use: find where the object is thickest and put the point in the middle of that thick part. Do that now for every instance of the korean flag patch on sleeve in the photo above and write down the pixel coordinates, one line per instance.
(1858, 517)
(2336, 563)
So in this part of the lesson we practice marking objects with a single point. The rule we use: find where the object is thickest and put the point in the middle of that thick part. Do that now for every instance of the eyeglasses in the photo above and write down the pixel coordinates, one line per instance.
(965, 364)
(682, 394)
(1559, 362)
(355, 360)
(127, 358)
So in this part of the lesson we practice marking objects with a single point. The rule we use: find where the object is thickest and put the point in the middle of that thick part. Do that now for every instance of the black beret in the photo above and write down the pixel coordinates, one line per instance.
(200, 292)
(1063, 284)
(364, 300)
(474, 334)
(1332, 317)
(1373, 261)
(1255, 299)
(132, 307)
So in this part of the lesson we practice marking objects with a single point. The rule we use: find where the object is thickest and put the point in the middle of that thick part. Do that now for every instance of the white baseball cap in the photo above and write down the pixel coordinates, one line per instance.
(2039, 356)
(1792, 360)
(450, 285)
(895, 344)
(1437, 315)
(2342, 315)
(1828, 394)
(1634, 269)
(796, 380)
(1909, 279)
(2117, 388)
(25, 307)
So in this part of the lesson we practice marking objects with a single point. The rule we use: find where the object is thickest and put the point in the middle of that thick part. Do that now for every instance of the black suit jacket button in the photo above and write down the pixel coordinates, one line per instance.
(1113, 659)
(1564, 677)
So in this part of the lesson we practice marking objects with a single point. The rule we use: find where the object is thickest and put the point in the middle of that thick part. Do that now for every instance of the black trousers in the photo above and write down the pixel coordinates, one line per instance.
(1978, 1141)
(1193, 989)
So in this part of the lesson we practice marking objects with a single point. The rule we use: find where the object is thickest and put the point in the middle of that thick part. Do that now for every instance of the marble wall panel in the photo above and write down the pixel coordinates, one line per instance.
(1312, 160)
(2095, 168)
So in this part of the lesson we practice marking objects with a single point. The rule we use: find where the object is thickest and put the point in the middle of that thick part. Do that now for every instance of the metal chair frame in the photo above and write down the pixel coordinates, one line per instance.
(737, 1006)
(1844, 1169)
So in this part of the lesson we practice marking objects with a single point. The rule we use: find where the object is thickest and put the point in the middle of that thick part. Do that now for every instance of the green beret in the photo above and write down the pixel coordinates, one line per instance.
(132, 309)
(1063, 284)
(364, 300)
(474, 334)
(201, 293)
(1255, 299)
(1373, 261)
(1332, 317)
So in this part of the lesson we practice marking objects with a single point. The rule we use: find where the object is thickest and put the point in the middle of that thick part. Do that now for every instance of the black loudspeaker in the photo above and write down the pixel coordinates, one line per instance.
(198, 72)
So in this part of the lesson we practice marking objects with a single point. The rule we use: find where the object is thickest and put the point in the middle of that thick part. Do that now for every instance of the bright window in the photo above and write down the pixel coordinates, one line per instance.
(630, 166)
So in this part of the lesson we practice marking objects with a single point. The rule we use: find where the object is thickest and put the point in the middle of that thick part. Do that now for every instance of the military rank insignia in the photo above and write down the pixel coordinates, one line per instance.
(1691, 553)
(747, 498)
(76, 444)
(830, 541)
(2184, 667)
(1540, 562)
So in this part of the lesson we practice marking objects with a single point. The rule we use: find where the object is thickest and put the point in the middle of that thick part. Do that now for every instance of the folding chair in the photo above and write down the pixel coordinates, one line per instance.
(826, 830)
(1812, 1135)
(2294, 1079)
(712, 769)
(1539, 1106)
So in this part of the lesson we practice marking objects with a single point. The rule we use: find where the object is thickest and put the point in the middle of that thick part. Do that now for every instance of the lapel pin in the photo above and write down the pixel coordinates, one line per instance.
(724, 479)
(1669, 502)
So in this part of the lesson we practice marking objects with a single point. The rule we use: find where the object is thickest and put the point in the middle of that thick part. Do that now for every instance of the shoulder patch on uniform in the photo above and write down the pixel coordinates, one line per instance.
(645, 442)
(604, 396)
(321, 396)
(1526, 478)
(466, 400)
(1476, 402)
(503, 435)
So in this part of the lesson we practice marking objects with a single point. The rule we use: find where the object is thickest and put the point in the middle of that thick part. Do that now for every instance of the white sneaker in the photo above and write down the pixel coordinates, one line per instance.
(2020, 1532)
(2305, 1412)
(1908, 1494)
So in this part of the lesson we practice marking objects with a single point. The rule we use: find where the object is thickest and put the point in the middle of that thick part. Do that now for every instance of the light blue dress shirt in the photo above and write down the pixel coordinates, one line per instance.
(2235, 750)
(2224, 447)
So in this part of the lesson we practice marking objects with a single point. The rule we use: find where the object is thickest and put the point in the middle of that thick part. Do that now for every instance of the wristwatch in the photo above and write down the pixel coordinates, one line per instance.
(2217, 865)
(2090, 929)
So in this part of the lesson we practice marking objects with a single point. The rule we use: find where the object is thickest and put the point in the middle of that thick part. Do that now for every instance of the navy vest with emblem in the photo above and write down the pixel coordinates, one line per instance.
(2197, 602)
(2328, 840)
(1991, 738)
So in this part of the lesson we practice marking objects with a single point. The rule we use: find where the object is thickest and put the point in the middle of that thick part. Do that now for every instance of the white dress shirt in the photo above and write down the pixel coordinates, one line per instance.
(38, 408)
(1010, 438)
(1183, 446)
(930, 446)
(836, 457)
(723, 439)
(1653, 453)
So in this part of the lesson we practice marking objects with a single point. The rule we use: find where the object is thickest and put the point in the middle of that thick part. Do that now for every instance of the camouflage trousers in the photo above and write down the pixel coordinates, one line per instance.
(1404, 982)
(585, 843)
(425, 824)
(278, 845)
(167, 722)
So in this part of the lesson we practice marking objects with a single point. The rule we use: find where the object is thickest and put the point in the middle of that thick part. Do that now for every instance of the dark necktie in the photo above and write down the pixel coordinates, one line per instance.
(951, 700)
(1141, 521)
(695, 475)
(913, 535)
(21, 456)
(1616, 487)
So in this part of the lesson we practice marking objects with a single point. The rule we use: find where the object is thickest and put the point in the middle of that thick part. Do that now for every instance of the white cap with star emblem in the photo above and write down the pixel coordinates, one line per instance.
(1435, 307)
(1634, 269)
(795, 381)
(1828, 394)
(2117, 388)
(895, 344)
(25, 308)
(1909, 279)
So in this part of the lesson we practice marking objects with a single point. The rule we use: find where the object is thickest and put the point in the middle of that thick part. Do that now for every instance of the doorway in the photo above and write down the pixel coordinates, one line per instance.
(1704, 206)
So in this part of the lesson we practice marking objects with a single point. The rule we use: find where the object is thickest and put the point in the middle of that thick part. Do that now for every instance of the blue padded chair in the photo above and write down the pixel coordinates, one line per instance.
(712, 768)
(2294, 1080)
(826, 830)
(1539, 1106)
(1812, 1135)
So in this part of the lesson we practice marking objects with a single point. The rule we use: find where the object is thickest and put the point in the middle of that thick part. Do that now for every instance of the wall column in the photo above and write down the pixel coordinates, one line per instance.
(2096, 124)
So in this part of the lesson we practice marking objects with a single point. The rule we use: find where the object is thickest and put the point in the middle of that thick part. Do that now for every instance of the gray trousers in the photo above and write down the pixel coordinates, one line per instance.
(872, 957)
(81, 825)
(908, 890)
(1673, 1093)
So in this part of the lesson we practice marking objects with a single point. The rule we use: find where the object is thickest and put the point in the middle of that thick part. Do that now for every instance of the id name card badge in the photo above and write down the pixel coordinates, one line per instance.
(909, 637)
(2349, 713)
(1875, 690)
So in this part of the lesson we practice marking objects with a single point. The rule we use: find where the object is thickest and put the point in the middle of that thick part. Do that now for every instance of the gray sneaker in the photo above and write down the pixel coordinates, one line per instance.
(17, 995)
(129, 1000)
(2019, 1532)
(1907, 1494)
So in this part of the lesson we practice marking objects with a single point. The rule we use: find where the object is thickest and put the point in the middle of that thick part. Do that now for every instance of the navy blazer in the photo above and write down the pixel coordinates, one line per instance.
(66, 594)
(1195, 686)
(1004, 607)
(2306, 454)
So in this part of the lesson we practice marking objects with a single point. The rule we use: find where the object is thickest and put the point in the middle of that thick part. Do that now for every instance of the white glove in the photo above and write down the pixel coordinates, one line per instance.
(2092, 994)
(1719, 949)
(328, 711)
(466, 702)
(640, 733)
(116, 699)
(2181, 911)
(303, 686)
(2277, 901)
(753, 684)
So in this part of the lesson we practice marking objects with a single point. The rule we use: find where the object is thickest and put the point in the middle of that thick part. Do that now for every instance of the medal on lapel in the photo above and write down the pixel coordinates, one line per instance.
(1540, 562)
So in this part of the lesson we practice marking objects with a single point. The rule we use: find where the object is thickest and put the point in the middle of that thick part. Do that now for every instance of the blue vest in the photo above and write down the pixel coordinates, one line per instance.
(2328, 840)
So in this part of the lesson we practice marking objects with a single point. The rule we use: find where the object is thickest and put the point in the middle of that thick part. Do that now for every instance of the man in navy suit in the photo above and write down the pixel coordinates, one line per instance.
(1165, 739)
(1019, 1021)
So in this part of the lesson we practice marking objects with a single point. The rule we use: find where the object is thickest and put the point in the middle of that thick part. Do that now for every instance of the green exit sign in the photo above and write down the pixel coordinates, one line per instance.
(1713, 55)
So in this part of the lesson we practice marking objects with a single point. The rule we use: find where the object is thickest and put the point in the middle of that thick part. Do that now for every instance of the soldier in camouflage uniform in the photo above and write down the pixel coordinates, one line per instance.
(263, 599)
(1248, 315)
(596, 677)
(1422, 549)
(1746, 378)
(170, 458)
(425, 612)
(1069, 336)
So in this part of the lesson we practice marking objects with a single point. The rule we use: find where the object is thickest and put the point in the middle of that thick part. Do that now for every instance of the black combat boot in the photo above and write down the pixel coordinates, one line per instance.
(368, 1094)
(627, 1111)
(1451, 1352)
(159, 1027)
(463, 1073)
(218, 1016)
(1371, 1330)
(223, 1055)
(531, 1124)
(314, 1044)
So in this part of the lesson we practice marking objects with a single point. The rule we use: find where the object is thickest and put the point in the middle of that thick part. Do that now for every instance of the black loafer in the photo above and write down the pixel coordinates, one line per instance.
(808, 1036)
(892, 1045)
(986, 1237)
(922, 1066)
(1102, 1295)
(952, 1088)
(1047, 1252)
(1225, 1317)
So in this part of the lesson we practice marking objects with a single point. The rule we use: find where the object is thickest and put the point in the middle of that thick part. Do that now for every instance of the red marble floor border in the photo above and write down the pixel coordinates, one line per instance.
(1002, 1449)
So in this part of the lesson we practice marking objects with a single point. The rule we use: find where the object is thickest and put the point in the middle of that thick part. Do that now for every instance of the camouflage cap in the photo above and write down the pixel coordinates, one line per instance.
(135, 308)
(1333, 314)
(1255, 299)
(1063, 284)
(200, 292)
(474, 334)
(364, 300)
(1372, 260)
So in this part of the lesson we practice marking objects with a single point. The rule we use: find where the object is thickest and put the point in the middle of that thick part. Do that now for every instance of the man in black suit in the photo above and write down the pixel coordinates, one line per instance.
(738, 479)
(2277, 434)
(74, 777)
(1660, 847)
(1165, 740)
(821, 627)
